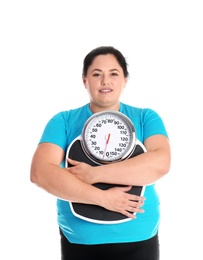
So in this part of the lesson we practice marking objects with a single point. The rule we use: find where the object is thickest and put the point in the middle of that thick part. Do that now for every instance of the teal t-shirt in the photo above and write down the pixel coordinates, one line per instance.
(61, 130)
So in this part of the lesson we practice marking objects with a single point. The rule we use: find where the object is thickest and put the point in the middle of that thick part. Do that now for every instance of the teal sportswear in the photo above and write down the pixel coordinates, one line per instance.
(61, 130)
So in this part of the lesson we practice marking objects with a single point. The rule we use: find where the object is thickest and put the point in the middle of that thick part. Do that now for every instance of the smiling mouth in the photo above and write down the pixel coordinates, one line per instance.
(105, 90)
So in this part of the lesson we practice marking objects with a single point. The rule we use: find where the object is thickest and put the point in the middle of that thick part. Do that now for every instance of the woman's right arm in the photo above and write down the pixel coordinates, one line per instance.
(46, 173)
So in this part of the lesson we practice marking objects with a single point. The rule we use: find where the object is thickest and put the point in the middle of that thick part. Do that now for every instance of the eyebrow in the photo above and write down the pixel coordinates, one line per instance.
(101, 70)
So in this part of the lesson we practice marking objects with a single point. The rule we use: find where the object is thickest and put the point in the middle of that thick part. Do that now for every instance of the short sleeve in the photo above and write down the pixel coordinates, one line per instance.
(55, 131)
(152, 124)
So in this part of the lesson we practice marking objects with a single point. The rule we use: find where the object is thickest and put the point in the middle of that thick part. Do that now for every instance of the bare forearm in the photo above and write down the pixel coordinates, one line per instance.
(140, 170)
(60, 183)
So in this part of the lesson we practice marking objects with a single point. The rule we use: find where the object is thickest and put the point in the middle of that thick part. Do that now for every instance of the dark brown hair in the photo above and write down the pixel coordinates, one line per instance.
(103, 50)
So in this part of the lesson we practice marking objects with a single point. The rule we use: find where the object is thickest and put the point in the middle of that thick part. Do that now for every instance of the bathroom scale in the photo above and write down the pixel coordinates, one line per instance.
(107, 137)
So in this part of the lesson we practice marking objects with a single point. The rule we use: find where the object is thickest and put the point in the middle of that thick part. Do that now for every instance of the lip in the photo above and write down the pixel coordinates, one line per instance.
(105, 90)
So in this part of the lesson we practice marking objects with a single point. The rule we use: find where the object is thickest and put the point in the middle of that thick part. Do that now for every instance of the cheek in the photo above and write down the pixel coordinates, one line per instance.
(121, 84)
(93, 84)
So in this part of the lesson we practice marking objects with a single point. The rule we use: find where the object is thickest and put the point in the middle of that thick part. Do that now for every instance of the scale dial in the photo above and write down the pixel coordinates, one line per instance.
(108, 136)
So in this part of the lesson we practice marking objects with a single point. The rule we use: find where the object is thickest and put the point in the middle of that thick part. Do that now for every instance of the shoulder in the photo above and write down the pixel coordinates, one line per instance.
(71, 113)
(146, 120)
(133, 111)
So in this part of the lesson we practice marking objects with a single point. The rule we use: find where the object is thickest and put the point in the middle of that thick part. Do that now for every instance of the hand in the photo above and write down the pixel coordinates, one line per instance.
(82, 171)
(117, 199)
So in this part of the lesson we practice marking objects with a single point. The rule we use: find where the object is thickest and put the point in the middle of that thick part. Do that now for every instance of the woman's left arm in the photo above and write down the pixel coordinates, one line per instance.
(143, 169)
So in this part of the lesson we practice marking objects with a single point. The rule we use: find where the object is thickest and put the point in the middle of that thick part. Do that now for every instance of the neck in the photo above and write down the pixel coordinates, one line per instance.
(95, 108)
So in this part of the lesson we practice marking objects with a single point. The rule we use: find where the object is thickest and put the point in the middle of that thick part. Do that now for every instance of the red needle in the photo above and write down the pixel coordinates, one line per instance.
(107, 141)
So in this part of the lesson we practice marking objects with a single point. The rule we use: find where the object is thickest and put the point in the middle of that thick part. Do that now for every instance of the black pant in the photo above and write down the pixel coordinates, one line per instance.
(144, 250)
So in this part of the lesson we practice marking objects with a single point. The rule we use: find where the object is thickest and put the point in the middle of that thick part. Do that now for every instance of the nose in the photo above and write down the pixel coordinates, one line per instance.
(105, 80)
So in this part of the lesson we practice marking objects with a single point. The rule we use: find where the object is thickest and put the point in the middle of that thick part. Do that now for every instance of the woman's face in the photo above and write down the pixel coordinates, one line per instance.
(104, 82)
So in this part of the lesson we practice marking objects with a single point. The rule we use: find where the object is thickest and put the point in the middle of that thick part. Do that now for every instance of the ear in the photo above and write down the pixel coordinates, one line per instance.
(126, 81)
(84, 80)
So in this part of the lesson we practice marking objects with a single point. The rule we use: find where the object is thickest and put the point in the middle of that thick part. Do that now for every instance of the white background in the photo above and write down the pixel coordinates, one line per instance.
(42, 46)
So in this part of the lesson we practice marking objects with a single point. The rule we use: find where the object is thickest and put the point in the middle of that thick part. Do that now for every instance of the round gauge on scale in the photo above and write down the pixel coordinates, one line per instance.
(108, 136)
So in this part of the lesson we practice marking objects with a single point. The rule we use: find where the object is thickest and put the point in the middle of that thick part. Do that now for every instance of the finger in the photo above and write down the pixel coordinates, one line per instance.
(136, 198)
(135, 207)
(125, 188)
(136, 204)
(73, 162)
(132, 196)
(136, 210)
(129, 214)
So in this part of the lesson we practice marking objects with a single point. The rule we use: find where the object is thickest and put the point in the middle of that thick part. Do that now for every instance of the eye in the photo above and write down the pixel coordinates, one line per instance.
(114, 74)
(96, 74)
